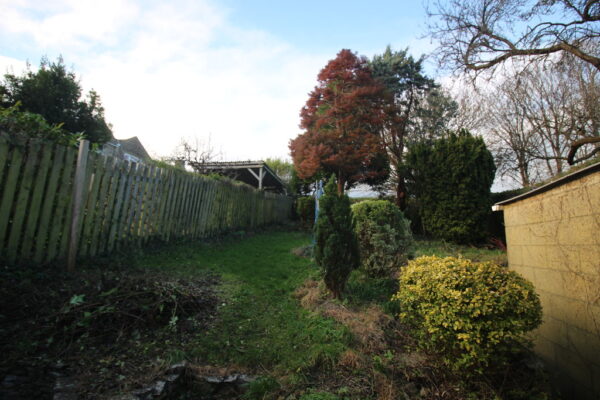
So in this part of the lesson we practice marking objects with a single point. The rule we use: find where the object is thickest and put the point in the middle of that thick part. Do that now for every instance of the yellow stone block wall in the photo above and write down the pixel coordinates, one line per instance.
(553, 240)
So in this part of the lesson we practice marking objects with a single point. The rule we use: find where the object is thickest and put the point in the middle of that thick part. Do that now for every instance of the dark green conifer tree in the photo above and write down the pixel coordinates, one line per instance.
(336, 250)
(56, 94)
(451, 179)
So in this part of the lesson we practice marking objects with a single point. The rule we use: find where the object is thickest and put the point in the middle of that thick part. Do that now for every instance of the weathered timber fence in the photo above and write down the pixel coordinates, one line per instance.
(122, 204)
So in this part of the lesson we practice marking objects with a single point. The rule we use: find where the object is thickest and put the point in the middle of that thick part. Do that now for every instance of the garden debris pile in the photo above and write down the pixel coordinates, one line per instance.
(107, 330)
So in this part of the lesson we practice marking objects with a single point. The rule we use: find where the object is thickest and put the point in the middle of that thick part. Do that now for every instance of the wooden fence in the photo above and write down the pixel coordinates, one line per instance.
(121, 204)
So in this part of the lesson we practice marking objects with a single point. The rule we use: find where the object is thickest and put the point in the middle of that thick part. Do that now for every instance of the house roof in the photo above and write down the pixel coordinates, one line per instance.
(544, 188)
(134, 147)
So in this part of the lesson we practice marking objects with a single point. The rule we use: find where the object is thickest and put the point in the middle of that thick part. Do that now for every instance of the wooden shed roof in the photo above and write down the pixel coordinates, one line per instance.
(550, 185)
(243, 171)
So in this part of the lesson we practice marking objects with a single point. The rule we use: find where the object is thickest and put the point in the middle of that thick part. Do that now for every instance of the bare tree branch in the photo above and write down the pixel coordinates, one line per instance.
(195, 154)
(579, 143)
(482, 34)
(533, 117)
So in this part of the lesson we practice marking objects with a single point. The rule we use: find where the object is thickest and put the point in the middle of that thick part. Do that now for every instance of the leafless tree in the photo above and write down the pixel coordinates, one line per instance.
(470, 113)
(481, 34)
(533, 118)
(510, 136)
(195, 153)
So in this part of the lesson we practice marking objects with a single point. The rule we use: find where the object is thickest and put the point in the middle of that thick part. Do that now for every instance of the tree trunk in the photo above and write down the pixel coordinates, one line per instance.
(524, 178)
(524, 175)
(341, 182)
(401, 194)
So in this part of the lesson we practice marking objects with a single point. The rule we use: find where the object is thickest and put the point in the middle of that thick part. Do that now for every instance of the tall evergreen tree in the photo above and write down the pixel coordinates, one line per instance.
(55, 93)
(452, 179)
(336, 249)
(406, 87)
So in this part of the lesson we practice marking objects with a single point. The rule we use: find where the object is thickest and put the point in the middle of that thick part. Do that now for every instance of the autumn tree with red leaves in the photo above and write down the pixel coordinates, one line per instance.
(342, 120)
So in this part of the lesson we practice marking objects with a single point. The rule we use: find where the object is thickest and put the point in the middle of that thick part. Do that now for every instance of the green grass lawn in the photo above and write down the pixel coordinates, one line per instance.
(260, 325)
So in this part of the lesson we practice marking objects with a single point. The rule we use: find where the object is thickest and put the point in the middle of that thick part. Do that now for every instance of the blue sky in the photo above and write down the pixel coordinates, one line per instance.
(237, 70)
(328, 26)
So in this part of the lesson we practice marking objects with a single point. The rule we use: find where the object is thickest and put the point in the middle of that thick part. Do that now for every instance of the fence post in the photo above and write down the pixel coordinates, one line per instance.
(78, 186)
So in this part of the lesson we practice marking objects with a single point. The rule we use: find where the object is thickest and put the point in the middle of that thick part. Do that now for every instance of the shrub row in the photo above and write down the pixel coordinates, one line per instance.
(382, 232)
(469, 313)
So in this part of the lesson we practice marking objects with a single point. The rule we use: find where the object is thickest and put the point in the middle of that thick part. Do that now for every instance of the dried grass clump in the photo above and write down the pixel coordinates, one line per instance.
(366, 325)
(311, 295)
(351, 360)
(385, 387)
(303, 251)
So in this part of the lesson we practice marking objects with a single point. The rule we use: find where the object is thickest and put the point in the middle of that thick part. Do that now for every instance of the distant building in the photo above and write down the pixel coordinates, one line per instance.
(130, 150)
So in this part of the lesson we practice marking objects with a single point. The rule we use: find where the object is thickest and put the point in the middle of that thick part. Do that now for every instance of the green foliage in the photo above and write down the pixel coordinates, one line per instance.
(318, 395)
(496, 219)
(383, 234)
(165, 164)
(287, 173)
(413, 214)
(507, 194)
(407, 118)
(471, 313)
(301, 187)
(336, 250)
(439, 248)
(56, 94)
(23, 125)
(400, 73)
(451, 179)
(259, 388)
(281, 167)
(305, 209)
(364, 290)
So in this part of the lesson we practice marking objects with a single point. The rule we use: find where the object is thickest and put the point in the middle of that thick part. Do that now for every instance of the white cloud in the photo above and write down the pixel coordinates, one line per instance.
(73, 24)
(11, 65)
(179, 69)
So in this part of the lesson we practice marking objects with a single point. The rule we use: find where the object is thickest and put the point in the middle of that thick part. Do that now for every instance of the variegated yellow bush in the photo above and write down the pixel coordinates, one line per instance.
(471, 313)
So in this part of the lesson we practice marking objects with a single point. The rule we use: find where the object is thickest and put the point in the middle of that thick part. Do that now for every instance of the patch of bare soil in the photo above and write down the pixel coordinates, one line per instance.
(102, 332)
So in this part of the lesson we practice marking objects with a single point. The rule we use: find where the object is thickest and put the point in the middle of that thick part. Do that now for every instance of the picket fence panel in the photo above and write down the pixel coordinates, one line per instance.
(123, 204)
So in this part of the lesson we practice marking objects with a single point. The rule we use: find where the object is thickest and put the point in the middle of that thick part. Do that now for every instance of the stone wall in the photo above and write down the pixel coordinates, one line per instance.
(553, 239)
